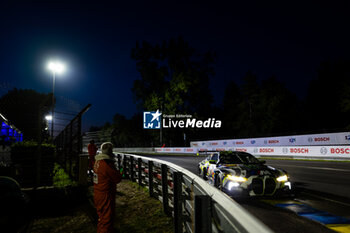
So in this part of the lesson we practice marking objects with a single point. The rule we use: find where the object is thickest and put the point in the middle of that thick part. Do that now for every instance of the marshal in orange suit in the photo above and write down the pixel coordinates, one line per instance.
(106, 177)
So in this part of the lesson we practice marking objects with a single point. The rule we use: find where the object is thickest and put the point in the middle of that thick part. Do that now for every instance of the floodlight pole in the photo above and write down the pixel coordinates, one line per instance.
(54, 67)
(161, 127)
(53, 100)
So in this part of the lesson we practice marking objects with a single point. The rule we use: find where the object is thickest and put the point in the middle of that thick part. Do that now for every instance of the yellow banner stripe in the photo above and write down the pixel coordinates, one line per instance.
(343, 228)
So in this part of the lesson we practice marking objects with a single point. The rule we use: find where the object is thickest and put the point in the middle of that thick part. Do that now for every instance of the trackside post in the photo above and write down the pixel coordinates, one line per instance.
(150, 178)
(139, 167)
(165, 188)
(124, 167)
(202, 214)
(177, 179)
(131, 172)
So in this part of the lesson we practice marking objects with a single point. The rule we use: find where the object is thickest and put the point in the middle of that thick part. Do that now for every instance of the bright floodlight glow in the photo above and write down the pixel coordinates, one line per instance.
(56, 67)
(48, 117)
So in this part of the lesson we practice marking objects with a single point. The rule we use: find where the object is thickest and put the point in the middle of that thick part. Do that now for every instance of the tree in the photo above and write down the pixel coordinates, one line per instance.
(280, 113)
(25, 109)
(232, 109)
(255, 109)
(128, 132)
(174, 79)
(250, 117)
(327, 107)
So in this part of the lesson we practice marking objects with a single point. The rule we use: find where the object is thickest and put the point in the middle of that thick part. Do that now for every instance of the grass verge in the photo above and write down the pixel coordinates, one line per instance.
(137, 212)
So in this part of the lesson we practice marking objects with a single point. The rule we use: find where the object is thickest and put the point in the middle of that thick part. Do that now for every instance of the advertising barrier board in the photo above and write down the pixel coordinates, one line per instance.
(294, 151)
(296, 140)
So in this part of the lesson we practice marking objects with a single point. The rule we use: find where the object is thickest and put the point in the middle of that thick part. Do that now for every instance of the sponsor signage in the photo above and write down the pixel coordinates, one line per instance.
(339, 150)
(298, 150)
(295, 151)
(265, 150)
(296, 140)
(292, 140)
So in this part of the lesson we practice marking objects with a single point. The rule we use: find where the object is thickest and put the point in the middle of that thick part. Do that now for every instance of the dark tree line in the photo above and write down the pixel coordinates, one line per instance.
(258, 109)
(174, 78)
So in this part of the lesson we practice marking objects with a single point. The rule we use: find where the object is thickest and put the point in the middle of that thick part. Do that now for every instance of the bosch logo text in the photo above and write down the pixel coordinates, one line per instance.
(340, 150)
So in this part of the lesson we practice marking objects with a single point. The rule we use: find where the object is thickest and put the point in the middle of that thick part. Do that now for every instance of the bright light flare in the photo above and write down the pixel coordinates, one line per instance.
(48, 118)
(236, 178)
(232, 185)
(282, 178)
(288, 184)
(56, 67)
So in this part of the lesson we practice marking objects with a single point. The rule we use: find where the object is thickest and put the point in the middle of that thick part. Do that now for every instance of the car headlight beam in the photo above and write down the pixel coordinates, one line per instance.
(282, 178)
(236, 178)
(232, 185)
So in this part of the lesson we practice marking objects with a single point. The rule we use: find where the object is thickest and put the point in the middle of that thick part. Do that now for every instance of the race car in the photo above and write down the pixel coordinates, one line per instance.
(240, 174)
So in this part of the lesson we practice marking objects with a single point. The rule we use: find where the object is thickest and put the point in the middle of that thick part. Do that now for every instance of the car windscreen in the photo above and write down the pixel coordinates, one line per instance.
(230, 159)
(238, 158)
(214, 157)
(247, 158)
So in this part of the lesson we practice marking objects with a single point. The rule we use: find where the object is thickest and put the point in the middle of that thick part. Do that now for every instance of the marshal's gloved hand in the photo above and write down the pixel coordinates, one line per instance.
(121, 172)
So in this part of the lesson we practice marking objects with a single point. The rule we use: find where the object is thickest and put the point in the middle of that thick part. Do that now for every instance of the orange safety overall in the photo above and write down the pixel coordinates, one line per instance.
(106, 178)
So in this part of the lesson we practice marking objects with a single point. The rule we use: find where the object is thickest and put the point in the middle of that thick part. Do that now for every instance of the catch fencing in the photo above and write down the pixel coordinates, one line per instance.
(69, 144)
(99, 137)
(195, 205)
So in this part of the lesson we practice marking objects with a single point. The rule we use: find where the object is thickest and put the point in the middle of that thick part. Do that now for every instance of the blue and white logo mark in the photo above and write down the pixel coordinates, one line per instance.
(151, 120)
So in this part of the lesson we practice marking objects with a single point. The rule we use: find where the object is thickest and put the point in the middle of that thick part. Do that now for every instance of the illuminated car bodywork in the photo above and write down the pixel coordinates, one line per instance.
(240, 173)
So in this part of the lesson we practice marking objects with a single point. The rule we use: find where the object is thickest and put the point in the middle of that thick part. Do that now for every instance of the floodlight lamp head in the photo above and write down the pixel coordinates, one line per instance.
(48, 117)
(56, 67)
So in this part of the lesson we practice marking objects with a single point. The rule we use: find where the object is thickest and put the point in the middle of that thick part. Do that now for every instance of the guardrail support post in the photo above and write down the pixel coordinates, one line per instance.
(177, 179)
(150, 178)
(131, 172)
(119, 161)
(202, 214)
(165, 189)
(124, 167)
(139, 164)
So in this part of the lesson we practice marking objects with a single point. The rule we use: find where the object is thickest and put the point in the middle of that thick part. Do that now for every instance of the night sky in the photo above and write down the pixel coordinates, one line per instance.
(282, 38)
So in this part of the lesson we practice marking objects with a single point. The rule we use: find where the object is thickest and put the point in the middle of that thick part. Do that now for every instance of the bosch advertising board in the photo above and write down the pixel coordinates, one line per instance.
(294, 140)
(332, 152)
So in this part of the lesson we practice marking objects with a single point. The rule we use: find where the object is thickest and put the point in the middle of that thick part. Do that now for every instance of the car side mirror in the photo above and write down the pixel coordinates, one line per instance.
(212, 161)
(262, 161)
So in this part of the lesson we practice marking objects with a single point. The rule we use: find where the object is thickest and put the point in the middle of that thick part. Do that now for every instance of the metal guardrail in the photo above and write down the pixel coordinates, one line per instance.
(341, 153)
(195, 205)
